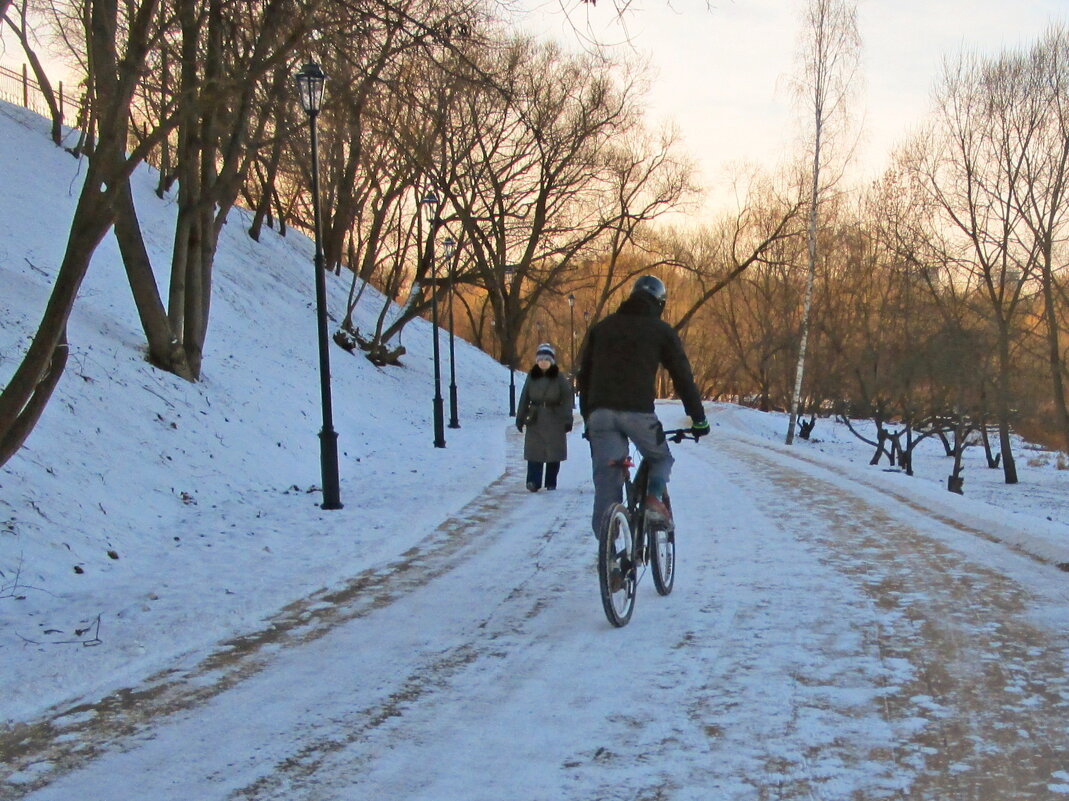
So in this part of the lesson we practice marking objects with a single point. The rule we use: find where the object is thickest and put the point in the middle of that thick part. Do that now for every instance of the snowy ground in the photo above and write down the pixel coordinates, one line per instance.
(837, 630)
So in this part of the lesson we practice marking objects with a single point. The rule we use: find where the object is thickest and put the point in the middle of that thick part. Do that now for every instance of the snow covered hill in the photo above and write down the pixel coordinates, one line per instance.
(147, 515)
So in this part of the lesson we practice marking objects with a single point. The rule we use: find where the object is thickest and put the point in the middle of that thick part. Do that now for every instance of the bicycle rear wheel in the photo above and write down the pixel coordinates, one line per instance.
(663, 557)
(617, 575)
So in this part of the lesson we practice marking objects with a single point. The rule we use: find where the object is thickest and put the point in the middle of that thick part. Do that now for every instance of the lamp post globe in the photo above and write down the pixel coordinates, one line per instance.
(430, 205)
(310, 86)
(311, 83)
(454, 419)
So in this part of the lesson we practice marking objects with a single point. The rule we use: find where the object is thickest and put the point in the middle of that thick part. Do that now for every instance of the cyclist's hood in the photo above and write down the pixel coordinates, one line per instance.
(641, 304)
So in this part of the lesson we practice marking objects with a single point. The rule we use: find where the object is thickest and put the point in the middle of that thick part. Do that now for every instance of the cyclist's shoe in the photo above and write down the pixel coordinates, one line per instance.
(658, 515)
(532, 487)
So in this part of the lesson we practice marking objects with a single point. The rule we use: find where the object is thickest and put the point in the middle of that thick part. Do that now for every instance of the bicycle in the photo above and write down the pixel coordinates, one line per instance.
(624, 549)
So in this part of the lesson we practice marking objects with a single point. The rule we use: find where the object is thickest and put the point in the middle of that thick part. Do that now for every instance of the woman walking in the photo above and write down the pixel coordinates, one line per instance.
(546, 410)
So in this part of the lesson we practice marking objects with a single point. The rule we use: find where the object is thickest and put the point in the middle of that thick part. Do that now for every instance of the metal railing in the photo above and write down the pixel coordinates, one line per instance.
(21, 89)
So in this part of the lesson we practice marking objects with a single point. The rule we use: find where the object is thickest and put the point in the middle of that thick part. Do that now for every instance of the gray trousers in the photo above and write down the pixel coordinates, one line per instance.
(608, 431)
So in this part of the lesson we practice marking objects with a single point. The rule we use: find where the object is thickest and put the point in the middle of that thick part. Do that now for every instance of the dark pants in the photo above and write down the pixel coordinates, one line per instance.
(534, 473)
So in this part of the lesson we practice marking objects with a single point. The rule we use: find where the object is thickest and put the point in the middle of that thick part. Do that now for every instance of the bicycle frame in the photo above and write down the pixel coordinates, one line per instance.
(635, 500)
(635, 491)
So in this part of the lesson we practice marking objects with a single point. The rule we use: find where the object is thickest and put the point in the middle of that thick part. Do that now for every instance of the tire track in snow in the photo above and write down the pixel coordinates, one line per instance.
(785, 697)
(324, 766)
(35, 753)
(983, 714)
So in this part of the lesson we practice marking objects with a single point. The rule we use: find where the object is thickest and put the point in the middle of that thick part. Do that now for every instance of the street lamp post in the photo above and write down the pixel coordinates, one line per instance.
(430, 203)
(571, 327)
(310, 85)
(454, 420)
(512, 390)
(509, 270)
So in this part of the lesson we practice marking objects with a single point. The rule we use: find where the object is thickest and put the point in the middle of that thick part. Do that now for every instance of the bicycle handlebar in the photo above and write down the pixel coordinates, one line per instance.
(679, 434)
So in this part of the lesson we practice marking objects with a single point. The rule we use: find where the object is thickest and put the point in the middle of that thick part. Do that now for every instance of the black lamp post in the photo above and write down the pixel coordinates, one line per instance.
(512, 390)
(454, 421)
(310, 84)
(512, 368)
(571, 327)
(430, 203)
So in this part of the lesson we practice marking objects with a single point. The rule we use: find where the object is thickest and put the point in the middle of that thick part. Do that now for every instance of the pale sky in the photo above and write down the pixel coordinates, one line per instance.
(724, 72)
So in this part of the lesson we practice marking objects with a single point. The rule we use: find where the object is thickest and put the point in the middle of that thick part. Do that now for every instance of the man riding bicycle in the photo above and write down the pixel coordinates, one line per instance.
(617, 373)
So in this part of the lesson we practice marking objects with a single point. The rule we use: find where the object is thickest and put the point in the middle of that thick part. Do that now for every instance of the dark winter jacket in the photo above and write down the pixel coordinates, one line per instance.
(545, 410)
(618, 368)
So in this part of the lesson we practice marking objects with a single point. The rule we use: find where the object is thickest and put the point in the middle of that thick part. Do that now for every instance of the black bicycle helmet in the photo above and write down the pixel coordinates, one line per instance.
(652, 286)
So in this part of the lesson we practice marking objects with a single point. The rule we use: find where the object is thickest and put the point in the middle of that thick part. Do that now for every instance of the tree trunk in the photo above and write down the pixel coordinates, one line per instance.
(164, 348)
(263, 205)
(993, 460)
(33, 383)
(1009, 466)
(344, 210)
(1054, 355)
(13, 436)
(906, 460)
(30, 388)
(39, 75)
(955, 482)
(881, 438)
(191, 299)
(166, 176)
(796, 394)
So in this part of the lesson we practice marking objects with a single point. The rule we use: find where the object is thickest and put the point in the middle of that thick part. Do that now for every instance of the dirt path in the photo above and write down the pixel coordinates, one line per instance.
(988, 687)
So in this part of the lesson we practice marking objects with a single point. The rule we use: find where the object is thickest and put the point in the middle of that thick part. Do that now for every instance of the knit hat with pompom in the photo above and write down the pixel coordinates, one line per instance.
(546, 351)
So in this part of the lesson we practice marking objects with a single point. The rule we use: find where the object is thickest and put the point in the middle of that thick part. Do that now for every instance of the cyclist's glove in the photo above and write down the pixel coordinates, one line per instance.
(519, 426)
(699, 430)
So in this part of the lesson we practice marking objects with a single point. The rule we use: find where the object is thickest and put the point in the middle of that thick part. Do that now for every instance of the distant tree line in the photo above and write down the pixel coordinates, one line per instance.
(940, 307)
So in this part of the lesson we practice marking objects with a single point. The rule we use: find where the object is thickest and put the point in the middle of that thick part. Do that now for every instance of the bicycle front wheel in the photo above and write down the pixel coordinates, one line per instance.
(663, 557)
(617, 563)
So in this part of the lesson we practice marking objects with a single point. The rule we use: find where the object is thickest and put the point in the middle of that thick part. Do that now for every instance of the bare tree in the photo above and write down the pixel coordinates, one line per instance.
(22, 27)
(117, 54)
(973, 163)
(1042, 193)
(739, 241)
(829, 61)
(220, 119)
(529, 174)
(648, 179)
